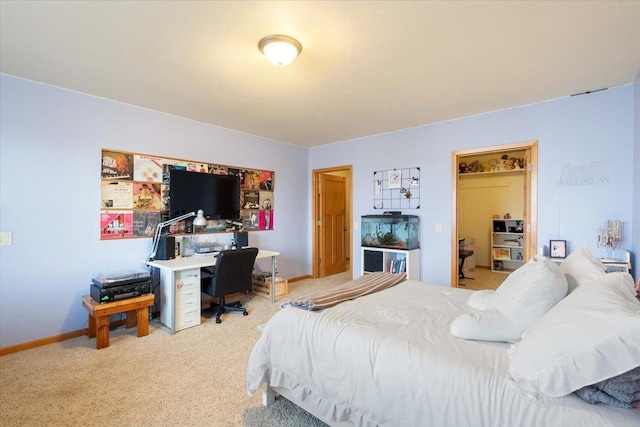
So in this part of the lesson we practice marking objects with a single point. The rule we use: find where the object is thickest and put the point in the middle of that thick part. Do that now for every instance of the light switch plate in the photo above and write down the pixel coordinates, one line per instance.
(6, 238)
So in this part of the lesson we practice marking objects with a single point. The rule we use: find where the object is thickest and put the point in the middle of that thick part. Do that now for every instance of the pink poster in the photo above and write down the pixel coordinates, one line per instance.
(116, 224)
(266, 220)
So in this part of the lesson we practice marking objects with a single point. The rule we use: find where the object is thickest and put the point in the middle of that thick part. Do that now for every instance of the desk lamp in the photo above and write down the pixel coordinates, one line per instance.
(156, 237)
(200, 221)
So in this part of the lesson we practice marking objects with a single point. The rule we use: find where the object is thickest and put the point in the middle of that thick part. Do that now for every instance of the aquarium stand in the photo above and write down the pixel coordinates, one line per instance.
(374, 259)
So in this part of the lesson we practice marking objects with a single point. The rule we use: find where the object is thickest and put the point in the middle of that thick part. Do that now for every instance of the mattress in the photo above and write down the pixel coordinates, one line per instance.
(388, 359)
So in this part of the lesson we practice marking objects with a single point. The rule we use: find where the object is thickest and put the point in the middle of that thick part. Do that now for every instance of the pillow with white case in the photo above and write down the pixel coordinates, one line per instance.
(504, 314)
(580, 267)
(481, 300)
(590, 336)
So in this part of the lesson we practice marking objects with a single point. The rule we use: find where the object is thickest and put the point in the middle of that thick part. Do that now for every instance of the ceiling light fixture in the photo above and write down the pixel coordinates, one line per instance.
(280, 49)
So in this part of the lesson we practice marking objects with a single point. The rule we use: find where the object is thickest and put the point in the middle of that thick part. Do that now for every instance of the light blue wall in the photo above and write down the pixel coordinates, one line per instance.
(50, 154)
(50, 142)
(574, 130)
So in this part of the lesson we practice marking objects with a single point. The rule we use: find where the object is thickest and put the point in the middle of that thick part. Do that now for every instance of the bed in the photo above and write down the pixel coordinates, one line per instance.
(390, 359)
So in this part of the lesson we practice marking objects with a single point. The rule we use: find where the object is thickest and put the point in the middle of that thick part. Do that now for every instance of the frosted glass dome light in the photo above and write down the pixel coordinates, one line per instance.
(280, 49)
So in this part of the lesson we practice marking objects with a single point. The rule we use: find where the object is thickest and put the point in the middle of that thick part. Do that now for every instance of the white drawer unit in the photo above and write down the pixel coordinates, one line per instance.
(187, 318)
(187, 298)
(185, 288)
(180, 296)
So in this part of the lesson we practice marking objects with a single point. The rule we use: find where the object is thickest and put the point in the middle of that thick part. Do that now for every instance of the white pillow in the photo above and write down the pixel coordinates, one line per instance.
(488, 325)
(481, 300)
(523, 297)
(590, 336)
(580, 267)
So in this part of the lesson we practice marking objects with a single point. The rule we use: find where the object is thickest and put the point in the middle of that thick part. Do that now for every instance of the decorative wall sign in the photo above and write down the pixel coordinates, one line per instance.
(135, 195)
(396, 189)
(585, 174)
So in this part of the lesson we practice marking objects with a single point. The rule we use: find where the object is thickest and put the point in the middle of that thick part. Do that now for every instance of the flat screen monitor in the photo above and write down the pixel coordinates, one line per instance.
(217, 195)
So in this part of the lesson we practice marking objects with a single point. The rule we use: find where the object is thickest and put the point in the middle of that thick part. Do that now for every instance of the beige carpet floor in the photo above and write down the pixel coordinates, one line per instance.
(482, 278)
(192, 378)
(281, 413)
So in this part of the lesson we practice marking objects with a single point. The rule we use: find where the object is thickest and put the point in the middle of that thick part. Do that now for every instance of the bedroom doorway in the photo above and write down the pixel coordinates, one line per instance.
(528, 196)
(331, 207)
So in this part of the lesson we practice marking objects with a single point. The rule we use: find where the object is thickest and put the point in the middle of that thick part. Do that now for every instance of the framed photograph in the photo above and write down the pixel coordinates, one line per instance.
(557, 248)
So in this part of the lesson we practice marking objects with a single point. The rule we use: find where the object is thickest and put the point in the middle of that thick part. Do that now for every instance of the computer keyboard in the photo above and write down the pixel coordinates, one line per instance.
(206, 254)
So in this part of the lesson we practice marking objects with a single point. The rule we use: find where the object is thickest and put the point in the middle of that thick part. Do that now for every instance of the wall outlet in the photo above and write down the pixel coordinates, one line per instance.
(6, 238)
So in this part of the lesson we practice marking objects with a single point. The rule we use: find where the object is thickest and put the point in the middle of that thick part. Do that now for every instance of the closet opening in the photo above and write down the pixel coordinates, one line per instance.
(494, 212)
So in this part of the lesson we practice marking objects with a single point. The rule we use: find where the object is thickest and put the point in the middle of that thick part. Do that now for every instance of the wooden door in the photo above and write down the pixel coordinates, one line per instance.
(332, 225)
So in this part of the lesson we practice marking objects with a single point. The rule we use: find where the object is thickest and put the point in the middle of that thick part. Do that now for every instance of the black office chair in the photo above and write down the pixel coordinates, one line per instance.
(231, 274)
(462, 255)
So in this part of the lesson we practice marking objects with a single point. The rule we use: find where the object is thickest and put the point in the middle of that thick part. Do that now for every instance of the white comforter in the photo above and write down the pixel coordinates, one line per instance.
(388, 359)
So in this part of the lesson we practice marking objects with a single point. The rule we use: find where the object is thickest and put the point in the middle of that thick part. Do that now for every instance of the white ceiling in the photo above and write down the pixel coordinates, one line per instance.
(367, 67)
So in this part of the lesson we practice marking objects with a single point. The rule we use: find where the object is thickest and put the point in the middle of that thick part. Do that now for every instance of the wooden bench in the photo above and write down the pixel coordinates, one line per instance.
(136, 309)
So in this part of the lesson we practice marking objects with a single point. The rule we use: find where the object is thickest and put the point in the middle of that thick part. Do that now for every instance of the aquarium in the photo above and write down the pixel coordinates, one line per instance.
(390, 231)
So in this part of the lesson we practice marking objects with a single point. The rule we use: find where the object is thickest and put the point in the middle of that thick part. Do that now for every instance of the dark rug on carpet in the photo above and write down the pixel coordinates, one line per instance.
(281, 413)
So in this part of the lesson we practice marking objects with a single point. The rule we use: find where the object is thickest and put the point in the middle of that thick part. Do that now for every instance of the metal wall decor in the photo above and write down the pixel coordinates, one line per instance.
(396, 189)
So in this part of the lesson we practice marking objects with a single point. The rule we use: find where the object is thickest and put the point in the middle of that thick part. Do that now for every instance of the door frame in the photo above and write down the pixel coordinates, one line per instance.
(531, 202)
(315, 215)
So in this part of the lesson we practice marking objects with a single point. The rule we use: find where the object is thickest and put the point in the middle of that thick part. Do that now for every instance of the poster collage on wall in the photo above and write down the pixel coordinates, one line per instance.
(136, 195)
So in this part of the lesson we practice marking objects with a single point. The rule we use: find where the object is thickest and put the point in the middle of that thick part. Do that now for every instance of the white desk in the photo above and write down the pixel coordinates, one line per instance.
(611, 265)
(180, 288)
